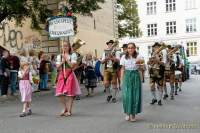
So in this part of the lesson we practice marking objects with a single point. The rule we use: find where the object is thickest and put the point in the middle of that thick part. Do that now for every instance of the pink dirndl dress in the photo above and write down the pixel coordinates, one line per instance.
(25, 88)
(68, 87)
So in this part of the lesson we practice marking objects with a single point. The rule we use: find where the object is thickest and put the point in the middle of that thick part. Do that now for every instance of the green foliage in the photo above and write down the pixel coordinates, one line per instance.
(129, 16)
(19, 10)
(85, 7)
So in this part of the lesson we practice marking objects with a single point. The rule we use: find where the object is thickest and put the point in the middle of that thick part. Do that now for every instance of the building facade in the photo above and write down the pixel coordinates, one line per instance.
(170, 21)
(95, 31)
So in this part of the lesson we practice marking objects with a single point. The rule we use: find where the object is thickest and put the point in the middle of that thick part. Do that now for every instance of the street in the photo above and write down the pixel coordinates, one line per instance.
(95, 115)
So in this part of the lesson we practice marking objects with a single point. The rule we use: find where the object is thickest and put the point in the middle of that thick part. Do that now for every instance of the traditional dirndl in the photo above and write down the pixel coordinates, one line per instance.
(68, 86)
(132, 92)
(90, 77)
(25, 90)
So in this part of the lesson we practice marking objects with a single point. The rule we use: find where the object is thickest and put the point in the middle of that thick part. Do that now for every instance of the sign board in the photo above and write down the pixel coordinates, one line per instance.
(61, 27)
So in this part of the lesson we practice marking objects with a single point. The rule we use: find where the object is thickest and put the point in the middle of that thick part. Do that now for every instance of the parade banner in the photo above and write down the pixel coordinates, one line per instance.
(61, 27)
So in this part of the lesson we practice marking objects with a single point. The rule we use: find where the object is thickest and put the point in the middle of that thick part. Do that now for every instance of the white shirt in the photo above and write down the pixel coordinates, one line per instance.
(129, 64)
(73, 58)
(88, 62)
(164, 53)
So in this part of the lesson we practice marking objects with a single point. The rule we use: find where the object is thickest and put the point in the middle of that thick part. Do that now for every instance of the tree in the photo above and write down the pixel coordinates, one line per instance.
(128, 19)
(84, 7)
(37, 10)
(19, 10)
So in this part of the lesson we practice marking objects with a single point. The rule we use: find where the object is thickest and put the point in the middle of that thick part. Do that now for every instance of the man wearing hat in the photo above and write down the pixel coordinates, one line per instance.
(156, 71)
(110, 61)
(124, 47)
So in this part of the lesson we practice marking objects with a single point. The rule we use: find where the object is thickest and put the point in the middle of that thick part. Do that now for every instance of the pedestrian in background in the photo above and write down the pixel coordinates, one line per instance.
(34, 65)
(97, 69)
(53, 70)
(44, 69)
(90, 76)
(25, 88)
(131, 83)
(4, 73)
(14, 68)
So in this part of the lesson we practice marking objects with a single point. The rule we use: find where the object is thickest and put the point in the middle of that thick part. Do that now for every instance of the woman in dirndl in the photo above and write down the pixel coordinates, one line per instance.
(67, 85)
(90, 75)
(131, 83)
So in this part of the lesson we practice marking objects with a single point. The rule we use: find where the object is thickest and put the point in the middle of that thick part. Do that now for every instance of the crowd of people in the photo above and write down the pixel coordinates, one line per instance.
(118, 71)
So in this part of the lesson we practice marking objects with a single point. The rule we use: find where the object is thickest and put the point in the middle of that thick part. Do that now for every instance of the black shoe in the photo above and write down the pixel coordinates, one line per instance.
(44, 89)
(172, 97)
(159, 102)
(109, 98)
(29, 112)
(104, 90)
(114, 100)
(78, 98)
(153, 101)
(180, 90)
(176, 93)
(165, 96)
(23, 114)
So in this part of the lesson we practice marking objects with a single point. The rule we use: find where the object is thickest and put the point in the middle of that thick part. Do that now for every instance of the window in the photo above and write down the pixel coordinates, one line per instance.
(190, 4)
(170, 5)
(151, 8)
(149, 51)
(192, 47)
(191, 25)
(171, 27)
(152, 30)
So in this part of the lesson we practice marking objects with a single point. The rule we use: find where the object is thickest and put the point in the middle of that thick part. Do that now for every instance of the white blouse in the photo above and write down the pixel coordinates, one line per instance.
(88, 62)
(129, 64)
(73, 58)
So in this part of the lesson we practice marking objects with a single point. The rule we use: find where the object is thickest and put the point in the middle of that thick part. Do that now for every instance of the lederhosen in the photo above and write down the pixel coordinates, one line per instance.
(110, 73)
(169, 71)
(156, 72)
(177, 67)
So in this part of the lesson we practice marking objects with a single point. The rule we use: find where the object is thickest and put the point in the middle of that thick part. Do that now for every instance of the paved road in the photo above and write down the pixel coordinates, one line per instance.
(94, 115)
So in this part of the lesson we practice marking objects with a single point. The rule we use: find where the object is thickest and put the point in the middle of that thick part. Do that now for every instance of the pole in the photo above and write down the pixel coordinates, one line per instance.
(63, 53)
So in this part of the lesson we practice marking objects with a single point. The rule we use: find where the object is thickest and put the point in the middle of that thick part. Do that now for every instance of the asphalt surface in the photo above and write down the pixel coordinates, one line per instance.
(95, 115)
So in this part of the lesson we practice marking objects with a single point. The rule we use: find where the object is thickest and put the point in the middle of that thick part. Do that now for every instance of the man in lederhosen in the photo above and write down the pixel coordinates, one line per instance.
(179, 70)
(169, 73)
(156, 71)
(110, 71)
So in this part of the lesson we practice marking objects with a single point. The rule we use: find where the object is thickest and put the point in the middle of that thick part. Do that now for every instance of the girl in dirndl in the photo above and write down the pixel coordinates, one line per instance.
(131, 83)
(90, 75)
(25, 88)
(67, 85)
